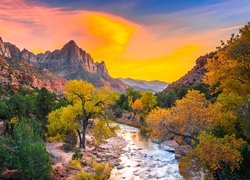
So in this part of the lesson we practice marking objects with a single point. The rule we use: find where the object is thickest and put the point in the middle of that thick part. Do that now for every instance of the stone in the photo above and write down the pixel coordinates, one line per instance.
(120, 167)
(182, 150)
(155, 141)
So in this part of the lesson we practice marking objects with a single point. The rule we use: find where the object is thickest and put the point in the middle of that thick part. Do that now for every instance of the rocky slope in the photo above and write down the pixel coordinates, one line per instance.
(70, 62)
(14, 74)
(194, 76)
(141, 85)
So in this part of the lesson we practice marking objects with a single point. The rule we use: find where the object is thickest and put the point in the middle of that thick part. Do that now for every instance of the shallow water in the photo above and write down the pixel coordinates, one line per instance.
(143, 159)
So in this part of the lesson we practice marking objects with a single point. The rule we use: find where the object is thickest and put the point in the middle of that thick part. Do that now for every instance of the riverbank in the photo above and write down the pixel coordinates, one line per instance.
(107, 152)
(128, 122)
(168, 145)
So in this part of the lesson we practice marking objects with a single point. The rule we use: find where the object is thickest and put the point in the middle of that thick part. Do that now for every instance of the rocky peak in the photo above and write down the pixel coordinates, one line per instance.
(72, 53)
(28, 57)
(14, 51)
(4, 51)
(102, 69)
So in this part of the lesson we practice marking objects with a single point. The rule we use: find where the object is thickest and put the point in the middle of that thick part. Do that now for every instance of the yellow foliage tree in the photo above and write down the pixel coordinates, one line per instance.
(191, 115)
(88, 103)
(137, 105)
(213, 153)
(148, 100)
(156, 120)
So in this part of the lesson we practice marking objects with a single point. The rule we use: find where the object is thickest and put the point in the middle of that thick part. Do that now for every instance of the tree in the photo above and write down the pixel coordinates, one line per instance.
(137, 105)
(214, 154)
(25, 152)
(33, 159)
(148, 100)
(88, 103)
(166, 99)
(231, 66)
(44, 103)
(155, 121)
(191, 115)
(126, 100)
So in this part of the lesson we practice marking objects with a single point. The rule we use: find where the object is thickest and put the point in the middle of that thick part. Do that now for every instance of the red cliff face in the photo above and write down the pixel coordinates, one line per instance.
(194, 76)
(16, 74)
(71, 62)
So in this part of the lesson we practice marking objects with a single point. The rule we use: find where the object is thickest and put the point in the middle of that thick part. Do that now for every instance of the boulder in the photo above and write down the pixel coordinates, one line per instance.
(171, 143)
(182, 150)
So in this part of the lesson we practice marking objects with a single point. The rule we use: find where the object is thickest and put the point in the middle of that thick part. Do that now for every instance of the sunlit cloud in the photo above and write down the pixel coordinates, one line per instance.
(165, 46)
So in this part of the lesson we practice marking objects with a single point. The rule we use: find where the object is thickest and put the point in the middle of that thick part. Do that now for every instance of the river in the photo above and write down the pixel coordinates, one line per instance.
(143, 159)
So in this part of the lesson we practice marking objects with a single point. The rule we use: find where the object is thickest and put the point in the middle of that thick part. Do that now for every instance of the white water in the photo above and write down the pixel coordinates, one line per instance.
(143, 159)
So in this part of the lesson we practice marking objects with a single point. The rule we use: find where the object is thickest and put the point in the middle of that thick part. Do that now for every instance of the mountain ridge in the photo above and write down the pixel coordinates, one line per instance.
(142, 85)
(194, 76)
(69, 62)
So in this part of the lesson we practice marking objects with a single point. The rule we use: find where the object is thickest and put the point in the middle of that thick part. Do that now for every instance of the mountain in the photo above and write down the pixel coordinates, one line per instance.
(14, 74)
(70, 62)
(194, 76)
(141, 85)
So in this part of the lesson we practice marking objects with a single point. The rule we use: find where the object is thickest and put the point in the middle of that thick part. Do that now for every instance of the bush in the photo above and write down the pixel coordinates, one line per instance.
(74, 164)
(83, 176)
(77, 154)
(101, 172)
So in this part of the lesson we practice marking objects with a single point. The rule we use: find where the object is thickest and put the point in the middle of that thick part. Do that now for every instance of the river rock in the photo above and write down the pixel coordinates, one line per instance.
(182, 150)
(120, 167)
(171, 143)
(167, 148)
(155, 141)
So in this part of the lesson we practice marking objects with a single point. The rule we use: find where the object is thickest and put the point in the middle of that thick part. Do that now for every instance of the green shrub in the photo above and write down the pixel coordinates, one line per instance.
(33, 161)
(77, 154)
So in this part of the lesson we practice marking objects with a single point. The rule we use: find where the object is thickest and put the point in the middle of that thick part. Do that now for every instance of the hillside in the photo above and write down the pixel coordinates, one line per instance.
(194, 76)
(15, 74)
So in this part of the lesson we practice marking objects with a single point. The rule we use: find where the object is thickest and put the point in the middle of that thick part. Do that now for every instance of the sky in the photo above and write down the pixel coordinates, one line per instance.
(140, 39)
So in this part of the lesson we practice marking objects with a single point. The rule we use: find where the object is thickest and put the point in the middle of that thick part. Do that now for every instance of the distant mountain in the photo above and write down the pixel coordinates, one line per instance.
(194, 76)
(141, 85)
(70, 62)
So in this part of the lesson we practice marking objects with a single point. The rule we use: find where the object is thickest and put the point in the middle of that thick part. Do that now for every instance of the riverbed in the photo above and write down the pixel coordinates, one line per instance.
(143, 159)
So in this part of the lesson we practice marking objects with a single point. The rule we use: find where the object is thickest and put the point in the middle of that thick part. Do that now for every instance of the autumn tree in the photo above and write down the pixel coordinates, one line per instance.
(137, 106)
(191, 115)
(155, 121)
(148, 100)
(214, 154)
(88, 103)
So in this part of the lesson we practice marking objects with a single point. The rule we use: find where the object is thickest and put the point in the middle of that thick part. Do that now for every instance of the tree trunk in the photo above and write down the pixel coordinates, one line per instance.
(84, 128)
(80, 137)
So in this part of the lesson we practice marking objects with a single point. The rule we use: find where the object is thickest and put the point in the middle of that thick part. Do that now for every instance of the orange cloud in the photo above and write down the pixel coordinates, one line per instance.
(128, 48)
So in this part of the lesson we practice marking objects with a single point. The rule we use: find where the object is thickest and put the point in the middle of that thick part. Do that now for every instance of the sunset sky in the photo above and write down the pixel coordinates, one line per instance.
(141, 39)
